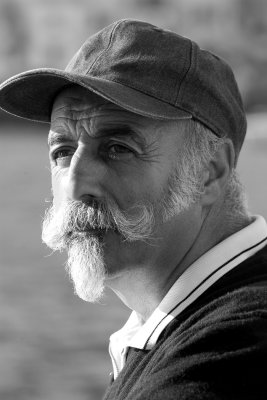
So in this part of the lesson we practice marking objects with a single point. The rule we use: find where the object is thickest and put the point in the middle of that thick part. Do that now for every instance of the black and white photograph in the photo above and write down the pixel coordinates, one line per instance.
(133, 158)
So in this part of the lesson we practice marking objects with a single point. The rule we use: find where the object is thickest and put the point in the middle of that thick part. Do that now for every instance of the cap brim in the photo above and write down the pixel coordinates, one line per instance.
(31, 94)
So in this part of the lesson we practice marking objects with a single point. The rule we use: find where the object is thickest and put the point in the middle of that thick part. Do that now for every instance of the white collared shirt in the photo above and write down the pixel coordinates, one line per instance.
(202, 274)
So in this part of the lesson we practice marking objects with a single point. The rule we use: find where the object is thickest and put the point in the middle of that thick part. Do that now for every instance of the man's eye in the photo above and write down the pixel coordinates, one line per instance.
(62, 156)
(61, 153)
(117, 151)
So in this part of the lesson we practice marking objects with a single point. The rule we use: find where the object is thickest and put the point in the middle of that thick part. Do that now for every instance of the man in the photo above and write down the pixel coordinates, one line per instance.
(146, 129)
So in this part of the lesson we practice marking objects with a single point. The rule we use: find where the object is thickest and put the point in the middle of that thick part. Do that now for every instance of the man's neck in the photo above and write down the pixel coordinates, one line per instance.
(142, 288)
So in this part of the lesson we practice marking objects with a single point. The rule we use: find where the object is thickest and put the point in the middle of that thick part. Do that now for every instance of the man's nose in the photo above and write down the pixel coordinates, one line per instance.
(85, 177)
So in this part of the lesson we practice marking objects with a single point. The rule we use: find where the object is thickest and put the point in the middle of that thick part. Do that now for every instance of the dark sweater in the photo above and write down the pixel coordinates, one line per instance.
(215, 349)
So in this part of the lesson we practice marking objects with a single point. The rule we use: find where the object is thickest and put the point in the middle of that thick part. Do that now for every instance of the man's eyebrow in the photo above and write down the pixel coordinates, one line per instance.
(122, 131)
(55, 138)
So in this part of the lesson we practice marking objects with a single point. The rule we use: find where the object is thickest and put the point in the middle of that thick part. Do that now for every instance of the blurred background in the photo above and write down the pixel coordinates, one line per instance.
(53, 345)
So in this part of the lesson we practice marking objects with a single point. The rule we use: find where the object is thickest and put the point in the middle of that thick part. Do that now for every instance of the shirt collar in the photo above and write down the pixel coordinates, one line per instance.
(202, 274)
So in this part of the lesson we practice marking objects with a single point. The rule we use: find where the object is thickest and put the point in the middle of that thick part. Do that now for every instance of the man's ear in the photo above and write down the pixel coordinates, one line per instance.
(217, 173)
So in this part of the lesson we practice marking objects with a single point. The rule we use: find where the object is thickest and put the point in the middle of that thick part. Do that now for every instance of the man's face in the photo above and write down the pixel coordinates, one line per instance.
(111, 172)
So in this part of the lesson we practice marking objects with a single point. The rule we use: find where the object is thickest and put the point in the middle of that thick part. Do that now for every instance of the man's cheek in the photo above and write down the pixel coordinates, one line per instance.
(58, 188)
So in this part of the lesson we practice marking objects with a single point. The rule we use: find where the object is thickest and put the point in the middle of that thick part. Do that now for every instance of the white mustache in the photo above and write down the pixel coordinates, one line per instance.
(76, 219)
(80, 217)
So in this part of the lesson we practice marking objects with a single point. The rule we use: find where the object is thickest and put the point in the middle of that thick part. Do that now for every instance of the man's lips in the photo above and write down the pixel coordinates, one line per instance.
(87, 231)
(90, 232)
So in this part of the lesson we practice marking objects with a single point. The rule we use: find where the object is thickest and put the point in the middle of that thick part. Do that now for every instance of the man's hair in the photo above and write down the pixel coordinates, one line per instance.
(200, 146)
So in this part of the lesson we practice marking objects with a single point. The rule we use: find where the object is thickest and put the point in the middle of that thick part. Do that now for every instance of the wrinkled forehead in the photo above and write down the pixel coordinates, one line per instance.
(75, 99)
(76, 109)
(77, 104)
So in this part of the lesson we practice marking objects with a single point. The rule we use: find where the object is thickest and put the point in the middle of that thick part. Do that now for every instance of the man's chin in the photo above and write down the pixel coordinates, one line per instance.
(90, 296)
(88, 288)
(86, 266)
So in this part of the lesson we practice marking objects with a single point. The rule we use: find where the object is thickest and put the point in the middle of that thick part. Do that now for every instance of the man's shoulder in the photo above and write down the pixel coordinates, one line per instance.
(240, 296)
(238, 312)
(213, 349)
(231, 310)
(216, 352)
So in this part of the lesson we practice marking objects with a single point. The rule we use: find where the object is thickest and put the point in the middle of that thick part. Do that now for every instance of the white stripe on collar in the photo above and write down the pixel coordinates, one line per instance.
(202, 274)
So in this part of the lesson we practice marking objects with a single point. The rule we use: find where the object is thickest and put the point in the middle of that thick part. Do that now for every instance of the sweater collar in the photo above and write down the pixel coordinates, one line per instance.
(201, 275)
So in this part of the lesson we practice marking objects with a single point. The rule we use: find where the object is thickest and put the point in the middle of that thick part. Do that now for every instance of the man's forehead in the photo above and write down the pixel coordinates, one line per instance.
(76, 110)
(76, 106)
(74, 101)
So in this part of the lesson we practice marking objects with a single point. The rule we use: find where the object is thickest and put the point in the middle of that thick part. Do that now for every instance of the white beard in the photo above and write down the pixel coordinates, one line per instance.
(85, 265)
(79, 229)
(86, 268)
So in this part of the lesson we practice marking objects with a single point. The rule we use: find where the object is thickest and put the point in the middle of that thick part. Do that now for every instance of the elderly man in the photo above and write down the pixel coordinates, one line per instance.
(146, 130)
